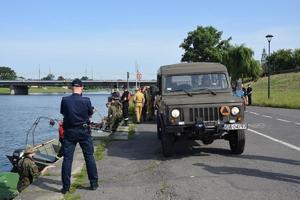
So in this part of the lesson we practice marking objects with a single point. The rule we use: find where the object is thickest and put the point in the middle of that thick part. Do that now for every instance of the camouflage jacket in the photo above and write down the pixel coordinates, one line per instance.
(115, 110)
(27, 170)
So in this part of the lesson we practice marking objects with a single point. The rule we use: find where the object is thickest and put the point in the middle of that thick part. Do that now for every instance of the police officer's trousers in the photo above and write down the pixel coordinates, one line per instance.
(84, 139)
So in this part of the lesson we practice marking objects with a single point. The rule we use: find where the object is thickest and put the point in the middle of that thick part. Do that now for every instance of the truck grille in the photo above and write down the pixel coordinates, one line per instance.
(204, 114)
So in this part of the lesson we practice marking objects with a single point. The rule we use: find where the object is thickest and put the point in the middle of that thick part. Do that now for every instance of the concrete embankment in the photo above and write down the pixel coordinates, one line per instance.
(48, 186)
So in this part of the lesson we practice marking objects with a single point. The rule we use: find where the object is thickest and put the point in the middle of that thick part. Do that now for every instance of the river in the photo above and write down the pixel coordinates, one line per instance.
(18, 113)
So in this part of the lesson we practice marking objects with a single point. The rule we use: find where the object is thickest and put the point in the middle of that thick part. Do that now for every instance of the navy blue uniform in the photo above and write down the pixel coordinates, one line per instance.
(77, 111)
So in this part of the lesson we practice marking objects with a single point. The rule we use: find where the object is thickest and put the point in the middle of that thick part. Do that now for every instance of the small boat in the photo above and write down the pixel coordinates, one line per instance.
(46, 152)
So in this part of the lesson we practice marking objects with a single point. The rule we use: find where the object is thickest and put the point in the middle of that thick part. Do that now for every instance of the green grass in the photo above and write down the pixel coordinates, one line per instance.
(131, 131)
(4, 91)
(131, 110)
(48, 90)
(285, 91)
(100, 148)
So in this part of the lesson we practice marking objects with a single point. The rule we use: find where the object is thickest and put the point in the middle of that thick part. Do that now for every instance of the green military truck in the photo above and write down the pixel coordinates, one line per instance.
(195, 101)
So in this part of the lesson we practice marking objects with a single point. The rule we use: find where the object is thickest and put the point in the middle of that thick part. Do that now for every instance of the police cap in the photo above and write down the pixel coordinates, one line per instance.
(77, 83)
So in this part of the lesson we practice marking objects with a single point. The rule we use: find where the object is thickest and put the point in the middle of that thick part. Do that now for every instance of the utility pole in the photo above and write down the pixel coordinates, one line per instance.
(136, 72)
(39, 72)
(128, 80)
(85, 70)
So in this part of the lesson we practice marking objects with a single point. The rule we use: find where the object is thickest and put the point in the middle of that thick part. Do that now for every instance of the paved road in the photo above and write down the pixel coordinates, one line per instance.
(268, 169)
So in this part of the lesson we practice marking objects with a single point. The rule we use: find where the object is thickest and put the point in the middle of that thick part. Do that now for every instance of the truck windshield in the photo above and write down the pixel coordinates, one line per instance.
(196, 82)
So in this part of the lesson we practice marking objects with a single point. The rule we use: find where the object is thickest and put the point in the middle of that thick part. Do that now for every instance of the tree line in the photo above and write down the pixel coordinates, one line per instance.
(6, 73)
(205, 44)
(284, 60)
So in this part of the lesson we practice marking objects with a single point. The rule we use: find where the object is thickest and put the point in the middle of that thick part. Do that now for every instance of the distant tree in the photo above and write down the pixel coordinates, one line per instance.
(60, 78)
(49, 77)
(204, 45)
(6, 73)
(21, 78)
(240, 63)
(296, 56)
(281, 60)
(84, 78)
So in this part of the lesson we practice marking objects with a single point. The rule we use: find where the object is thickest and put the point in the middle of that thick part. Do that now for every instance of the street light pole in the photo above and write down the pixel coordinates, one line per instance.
(269, 38)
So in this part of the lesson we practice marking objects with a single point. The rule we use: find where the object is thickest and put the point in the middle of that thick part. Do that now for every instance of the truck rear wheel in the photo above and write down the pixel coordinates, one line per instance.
(158, 130)
(167, 142)
(237, 141)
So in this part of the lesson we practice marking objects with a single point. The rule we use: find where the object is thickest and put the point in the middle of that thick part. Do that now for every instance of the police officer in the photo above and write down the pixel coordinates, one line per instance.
(125, 104)
(76, 111)
(27, 169)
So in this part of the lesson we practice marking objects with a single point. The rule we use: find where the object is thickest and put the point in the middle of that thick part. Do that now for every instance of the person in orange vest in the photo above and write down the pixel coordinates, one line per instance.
(139, 101)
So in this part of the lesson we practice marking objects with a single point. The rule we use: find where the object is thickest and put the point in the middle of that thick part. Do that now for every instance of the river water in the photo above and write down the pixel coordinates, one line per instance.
(18, 113)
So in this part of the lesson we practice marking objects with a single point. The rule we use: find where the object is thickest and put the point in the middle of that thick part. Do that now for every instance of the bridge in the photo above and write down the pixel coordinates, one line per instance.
(20, 87)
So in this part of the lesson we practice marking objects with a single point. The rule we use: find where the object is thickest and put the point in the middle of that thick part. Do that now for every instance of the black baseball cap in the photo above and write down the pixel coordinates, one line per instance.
(77, 83)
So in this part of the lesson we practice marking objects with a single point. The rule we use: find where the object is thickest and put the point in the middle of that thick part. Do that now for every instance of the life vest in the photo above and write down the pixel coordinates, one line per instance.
(129, 96)
(61, 130)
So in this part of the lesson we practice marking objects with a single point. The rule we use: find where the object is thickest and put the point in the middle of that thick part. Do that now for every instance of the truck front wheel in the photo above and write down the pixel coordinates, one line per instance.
(237, 141)
(168, 142)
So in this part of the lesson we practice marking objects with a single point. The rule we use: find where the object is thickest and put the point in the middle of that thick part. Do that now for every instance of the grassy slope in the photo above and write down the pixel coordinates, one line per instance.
(285, 91)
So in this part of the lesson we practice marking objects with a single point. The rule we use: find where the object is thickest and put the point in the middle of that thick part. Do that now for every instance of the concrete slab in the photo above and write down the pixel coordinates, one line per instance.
(99, 134)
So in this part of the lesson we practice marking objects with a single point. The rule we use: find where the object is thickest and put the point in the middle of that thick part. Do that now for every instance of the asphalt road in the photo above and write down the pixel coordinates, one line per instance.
(268, 169)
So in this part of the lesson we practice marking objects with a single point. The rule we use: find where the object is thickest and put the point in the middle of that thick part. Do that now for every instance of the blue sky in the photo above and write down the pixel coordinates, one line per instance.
(72, 38)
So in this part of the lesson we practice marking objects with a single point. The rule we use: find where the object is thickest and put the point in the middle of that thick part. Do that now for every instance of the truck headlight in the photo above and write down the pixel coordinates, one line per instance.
(175, 113)
(235, 111)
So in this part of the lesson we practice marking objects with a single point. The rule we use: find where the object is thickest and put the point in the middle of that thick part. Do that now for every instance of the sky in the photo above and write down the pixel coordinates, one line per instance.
(106, 39)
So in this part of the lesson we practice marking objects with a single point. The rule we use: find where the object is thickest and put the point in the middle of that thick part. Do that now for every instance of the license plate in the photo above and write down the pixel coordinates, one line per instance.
(210, 123)
(235, 126)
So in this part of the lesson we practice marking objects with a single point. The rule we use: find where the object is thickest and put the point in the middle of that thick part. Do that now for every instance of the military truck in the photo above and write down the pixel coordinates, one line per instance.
(195, 101)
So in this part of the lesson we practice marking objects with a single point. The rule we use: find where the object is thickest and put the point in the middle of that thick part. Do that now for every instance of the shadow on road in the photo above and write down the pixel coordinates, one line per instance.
(223, 170)
(226, 152)
(146, 146)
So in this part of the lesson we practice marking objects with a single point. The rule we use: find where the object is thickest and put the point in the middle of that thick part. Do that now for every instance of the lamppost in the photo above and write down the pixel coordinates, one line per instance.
(269, 38)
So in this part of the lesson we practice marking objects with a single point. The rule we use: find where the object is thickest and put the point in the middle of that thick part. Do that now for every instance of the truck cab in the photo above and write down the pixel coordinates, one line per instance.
(195, 101)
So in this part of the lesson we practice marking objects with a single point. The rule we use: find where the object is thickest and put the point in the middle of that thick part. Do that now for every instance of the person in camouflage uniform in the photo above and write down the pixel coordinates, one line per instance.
(28, 170)
(114, 114)
(150, 103)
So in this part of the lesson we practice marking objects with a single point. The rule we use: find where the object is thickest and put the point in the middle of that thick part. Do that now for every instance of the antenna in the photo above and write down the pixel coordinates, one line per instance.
(86, 70)
(39, 72)
(136, 72)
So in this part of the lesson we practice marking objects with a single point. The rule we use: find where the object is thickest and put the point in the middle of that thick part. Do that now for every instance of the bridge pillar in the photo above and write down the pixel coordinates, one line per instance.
(18, 90)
